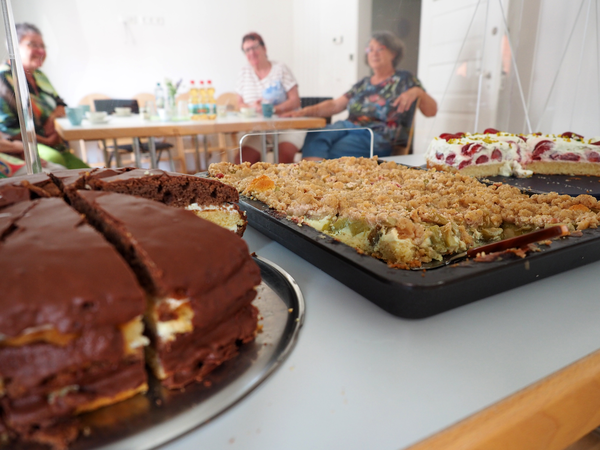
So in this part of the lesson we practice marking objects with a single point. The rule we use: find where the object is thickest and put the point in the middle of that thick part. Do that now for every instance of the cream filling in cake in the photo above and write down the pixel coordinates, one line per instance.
(480, 154)
(226, 216)
(551, 147)
(180, 315)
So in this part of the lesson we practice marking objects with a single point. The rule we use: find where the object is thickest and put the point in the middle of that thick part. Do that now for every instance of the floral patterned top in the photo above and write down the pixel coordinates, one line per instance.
(44, 101)
(371, 105)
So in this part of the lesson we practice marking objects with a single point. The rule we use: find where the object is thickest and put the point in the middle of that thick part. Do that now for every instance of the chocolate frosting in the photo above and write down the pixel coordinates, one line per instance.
(171, 188)
(58, 270)
(183, 255)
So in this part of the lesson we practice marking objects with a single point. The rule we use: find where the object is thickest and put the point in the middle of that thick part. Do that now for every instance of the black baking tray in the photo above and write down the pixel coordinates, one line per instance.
(418, 294)
(563, 184)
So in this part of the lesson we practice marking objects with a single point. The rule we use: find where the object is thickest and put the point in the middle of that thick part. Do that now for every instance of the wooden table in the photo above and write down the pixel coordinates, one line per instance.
(519, 370)
(134, 127)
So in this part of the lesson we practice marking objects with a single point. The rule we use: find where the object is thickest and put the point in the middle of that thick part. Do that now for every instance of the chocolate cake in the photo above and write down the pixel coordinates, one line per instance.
(198, 277)
(17, 189)
(209, 199)
(70, 321)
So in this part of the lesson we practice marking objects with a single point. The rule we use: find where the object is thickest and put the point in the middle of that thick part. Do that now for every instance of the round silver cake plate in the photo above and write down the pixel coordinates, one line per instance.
(148, 421)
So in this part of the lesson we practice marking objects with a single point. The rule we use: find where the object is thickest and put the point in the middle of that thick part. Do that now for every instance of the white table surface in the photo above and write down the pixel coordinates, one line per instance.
(360, 378)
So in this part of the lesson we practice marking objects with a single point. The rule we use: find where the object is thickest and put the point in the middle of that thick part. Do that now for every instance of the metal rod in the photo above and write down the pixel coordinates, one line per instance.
(197, 152)
(276, 148)
(487, 10)
(562, 58)
(319, 130)
(23, 101)
(137, 153)
(514, 62)
(455, 65)
(587, 20)
(152, 150)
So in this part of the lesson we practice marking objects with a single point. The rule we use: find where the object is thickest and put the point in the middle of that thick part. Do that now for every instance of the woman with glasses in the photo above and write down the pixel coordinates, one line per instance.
(264, 80)
(382, 102)
(45, 102)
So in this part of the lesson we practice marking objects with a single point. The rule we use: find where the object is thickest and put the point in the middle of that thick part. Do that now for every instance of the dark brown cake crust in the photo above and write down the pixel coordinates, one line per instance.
(193, 355)
(97, 286)
(162, 258)
(173, 189)
(219, 293)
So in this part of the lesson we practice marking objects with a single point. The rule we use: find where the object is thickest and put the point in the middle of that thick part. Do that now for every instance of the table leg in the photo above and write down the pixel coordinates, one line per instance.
(152, 149)
(117, 154)
(263, 147)
(197, 150)
(276, 148)
(205, 140)
(105, 153)
(137, 153)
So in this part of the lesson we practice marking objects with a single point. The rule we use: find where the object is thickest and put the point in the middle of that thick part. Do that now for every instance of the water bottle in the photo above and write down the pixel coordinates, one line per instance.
(159, 96)
(211, 103)
(203, 104)
(194, 101)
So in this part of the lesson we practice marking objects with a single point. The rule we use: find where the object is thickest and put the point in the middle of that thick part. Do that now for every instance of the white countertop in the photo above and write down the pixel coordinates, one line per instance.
(361, 378)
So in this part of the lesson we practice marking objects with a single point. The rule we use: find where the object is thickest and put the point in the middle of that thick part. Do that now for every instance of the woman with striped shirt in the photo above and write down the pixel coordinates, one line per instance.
(262, 77)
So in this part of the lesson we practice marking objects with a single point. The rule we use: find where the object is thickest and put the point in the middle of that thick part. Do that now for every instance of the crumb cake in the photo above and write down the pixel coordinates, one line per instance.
(207, 198)
(404, 216)
(70, 321)
(198, 277)
(497, 153)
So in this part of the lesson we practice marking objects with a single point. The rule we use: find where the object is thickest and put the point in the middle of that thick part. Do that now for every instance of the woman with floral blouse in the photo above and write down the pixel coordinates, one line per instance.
(382, 102)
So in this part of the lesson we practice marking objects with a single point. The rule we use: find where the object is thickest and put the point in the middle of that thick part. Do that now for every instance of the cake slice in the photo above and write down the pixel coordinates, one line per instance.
(29, 187)
(70, 321)
(209, 199)
(489, 154)
(199, 280)
(566, 154)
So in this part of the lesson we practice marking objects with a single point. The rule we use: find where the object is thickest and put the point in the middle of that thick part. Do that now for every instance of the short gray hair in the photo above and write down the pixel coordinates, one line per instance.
(392, 43)
(24, 29)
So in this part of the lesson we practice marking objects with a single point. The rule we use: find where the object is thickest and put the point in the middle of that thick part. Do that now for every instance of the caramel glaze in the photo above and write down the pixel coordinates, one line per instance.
(97, 381)
(173, 189)
(76, 281)
(191, 356)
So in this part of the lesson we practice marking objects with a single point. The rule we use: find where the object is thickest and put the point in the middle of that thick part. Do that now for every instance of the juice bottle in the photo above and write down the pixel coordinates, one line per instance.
(210, 101)
(194, 101)
(202, 93)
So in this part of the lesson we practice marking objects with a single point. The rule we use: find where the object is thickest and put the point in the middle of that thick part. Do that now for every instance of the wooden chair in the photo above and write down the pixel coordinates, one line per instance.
(405, 148)
(89, 100)
(143, 98)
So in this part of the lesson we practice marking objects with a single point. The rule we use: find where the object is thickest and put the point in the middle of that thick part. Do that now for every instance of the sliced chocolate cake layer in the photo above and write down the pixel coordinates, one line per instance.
(29, 187)
(70, 319)
(199, 278)
(209, 199)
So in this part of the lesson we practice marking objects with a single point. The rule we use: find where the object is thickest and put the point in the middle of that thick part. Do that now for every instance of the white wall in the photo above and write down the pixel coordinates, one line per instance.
(539, 30)
(124, 47)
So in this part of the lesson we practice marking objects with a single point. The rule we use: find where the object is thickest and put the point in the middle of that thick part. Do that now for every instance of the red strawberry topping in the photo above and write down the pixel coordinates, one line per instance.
(448, 136)
(571, 135)
(567, 157)
(450, 159)
(470, 149)
(219, 175)
(594, 157)
(463, 164)
(490, 131)
(439, 155)
(482, 159)
(541, 147)
(595, 143)
(497, 154)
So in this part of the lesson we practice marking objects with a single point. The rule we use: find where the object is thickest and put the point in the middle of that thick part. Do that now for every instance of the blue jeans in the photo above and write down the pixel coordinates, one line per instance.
(344, 142)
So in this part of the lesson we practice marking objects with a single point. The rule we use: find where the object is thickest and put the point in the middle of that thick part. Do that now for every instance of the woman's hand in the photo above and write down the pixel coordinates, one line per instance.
(296, 113)
(407, 98)
(257, 106)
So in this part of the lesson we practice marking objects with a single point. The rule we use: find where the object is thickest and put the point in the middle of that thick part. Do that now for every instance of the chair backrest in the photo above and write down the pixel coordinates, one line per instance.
(231, 99)
(89, 99)
(400, 147)
(310, 101)
(109, 105)
(144, 97)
